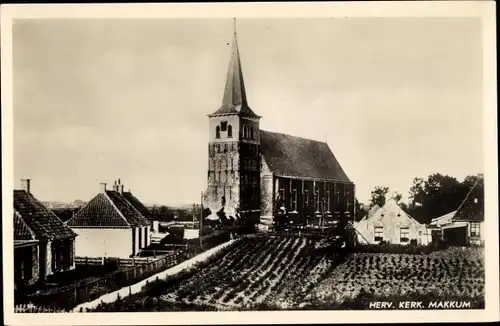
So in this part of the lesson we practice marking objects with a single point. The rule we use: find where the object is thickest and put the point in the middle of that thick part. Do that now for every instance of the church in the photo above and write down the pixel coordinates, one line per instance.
(262, 174)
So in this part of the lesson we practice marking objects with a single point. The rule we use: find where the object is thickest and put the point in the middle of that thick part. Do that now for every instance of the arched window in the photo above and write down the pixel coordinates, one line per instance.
(251, 133)
(229, 131)
(217, 132)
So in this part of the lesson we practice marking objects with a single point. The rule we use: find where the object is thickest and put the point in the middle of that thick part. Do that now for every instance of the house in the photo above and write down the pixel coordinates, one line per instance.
(438, 222)
(43, 244)
(391, 224)
(372, 211)
(112, 224)
(465, 225)
(256, 172)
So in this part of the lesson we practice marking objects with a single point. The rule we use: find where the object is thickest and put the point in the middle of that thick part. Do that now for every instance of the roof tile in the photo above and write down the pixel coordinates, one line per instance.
(41, 220)
(300, 157)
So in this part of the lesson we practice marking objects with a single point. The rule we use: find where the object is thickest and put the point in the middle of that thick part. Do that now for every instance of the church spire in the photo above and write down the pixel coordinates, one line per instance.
(234, 93)
(235, 98)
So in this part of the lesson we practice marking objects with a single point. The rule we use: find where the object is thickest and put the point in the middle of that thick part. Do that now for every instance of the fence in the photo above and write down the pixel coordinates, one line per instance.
(30, 308)
(79, 293)
(123, 262)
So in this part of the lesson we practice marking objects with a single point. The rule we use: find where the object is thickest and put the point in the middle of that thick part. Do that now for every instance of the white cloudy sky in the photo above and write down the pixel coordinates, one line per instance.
(100, 100)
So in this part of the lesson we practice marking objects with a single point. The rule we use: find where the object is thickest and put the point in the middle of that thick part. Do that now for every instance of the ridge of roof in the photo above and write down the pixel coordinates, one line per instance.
(135, 217)
(99, 212)
(299, 157)
(479, 181)
(292, 136)
(137, 204)
(20, 228)
(116, 208)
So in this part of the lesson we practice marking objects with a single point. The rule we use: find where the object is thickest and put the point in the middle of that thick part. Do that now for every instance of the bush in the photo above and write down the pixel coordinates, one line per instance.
(389, 248)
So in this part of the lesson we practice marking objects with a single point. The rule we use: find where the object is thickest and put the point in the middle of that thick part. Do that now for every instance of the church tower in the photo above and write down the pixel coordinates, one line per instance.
(234, 148)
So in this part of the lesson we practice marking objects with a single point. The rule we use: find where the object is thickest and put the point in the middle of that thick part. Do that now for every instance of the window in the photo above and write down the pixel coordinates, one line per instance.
(133, 241)
(474, 229)
(294, 200)
(244, 130)
(229, 131)
(317, 198)
(251, 133)
(217, 132)
(328, 200)
(140, 238)
(379, 233)
(223, 126)
(223, 201)
(405, 235)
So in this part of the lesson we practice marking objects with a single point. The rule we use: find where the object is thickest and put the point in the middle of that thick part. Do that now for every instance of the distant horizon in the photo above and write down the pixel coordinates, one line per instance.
(97, 100)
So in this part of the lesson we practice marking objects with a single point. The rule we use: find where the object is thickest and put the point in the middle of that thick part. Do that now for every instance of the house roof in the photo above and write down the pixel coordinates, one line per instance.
(442, 219)
(38, 220)
(298, 157)
(234, 100)
(372, 211)
(138, 205)
(391, 212)
(22, 231)
(108, 209)
(472, 208)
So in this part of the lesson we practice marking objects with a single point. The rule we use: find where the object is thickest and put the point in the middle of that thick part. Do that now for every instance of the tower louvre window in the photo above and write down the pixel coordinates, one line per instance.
(217, 132)
(229, 131)
(251, 133)
(223, 126)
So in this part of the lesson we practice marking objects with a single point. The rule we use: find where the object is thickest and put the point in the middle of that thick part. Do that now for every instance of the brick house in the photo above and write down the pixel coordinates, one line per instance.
(112, 224)
(43, 244)
(259, 172)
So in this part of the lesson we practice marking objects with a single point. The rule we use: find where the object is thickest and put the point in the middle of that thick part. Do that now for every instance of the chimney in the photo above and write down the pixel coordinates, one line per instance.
(25, 184)
(120, 188)
(103, 187)
(115, 186)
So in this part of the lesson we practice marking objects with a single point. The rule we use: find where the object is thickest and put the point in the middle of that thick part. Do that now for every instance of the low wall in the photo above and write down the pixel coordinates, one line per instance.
(135, 288)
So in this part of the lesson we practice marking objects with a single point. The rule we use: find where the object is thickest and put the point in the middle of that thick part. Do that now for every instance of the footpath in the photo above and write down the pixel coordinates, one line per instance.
(135, 288)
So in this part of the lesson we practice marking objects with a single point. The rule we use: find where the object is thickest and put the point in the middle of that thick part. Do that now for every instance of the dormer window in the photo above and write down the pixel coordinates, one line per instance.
(229, 131)
(217, 132)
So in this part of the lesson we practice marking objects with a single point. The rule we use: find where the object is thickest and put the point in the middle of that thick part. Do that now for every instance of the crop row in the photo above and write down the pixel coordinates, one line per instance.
(449, 273)
(274, 271)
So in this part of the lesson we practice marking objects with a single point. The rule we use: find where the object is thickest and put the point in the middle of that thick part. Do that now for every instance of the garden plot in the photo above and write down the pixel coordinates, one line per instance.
(453, 273)
(258, 272)
(271, 273)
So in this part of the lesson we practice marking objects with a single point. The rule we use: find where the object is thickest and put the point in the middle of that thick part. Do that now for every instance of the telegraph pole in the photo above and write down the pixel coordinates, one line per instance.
(201, 221)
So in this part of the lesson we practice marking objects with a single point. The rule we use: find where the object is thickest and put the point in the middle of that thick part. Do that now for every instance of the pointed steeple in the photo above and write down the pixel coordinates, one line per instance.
(235, 98)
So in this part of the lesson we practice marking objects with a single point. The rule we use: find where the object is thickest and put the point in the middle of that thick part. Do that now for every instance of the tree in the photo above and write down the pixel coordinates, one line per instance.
(438, 195)
(378, 196)
(417, 192)
(360, 211)
(397, 196)
(162, 213)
